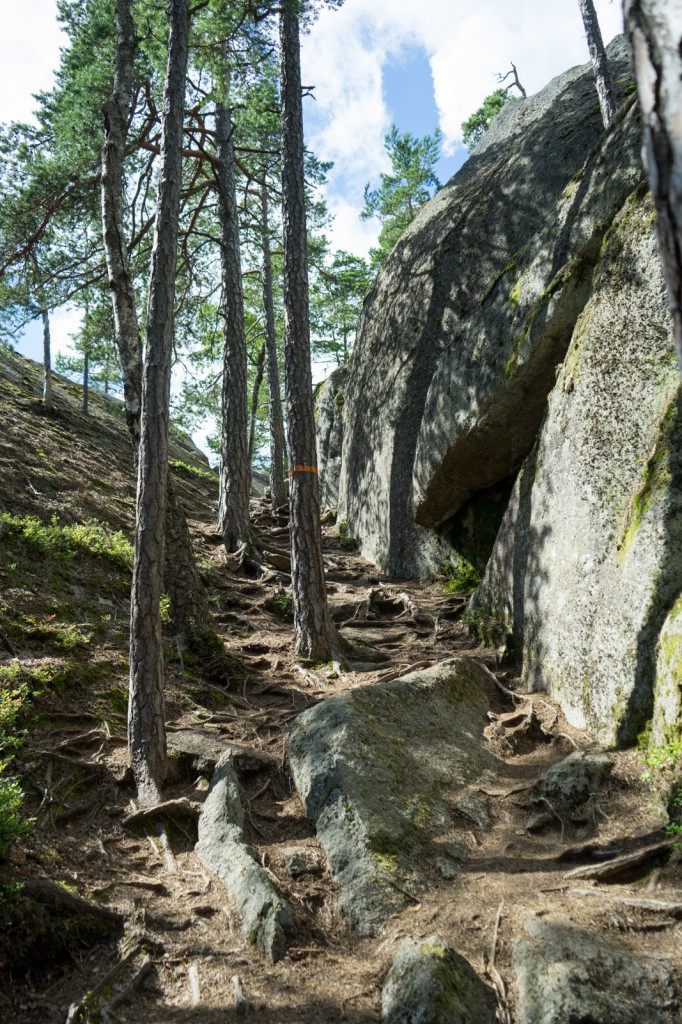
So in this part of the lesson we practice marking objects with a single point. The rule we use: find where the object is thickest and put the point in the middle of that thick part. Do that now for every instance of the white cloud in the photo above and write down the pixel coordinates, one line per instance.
(466, 42)
(29, 52)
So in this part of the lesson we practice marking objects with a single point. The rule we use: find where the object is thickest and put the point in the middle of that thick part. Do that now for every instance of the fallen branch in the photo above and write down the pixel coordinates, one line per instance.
(56, 896)
(241, 1003)
(621, 865)
(195, 991)
(126, 995)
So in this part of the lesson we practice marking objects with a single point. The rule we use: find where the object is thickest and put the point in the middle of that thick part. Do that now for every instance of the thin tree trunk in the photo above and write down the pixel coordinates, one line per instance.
(116, 112)
(654, 29)
(235, 469)
(86, 382)
(255, 395)
(277, 491)
(605, 89)
(146, 719)
(311, 617)
(47, 363)
(189, 612)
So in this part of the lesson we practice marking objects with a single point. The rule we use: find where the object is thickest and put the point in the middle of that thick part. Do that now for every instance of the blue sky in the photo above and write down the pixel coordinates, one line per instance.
(373, 62)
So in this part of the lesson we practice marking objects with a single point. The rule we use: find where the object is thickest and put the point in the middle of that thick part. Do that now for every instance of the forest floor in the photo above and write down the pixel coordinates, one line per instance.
(64, 604)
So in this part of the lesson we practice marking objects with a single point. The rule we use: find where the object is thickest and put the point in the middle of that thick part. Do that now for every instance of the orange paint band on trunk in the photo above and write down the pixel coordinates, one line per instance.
(303, 469)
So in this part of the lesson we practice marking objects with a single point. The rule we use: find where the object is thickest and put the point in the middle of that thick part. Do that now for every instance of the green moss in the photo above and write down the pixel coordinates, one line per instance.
(486, 625)
(539, 306)
(515, 295)
(347, 540)
(655, 480)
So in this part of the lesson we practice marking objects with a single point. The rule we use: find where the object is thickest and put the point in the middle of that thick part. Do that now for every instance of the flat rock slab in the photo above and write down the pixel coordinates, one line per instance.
(566, 975)
(379, 768)
(430, 983)
(193, 750)
(265, 917)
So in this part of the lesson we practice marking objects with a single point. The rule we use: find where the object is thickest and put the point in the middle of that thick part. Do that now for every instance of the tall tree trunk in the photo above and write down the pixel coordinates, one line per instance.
(605, 89)
(146, 720)
(277, 490)
(654, 29)
(47, 363)
(235, 469)
(189, 612)
(255, 395)
(311, 617)
(86, 381)
(116, 112)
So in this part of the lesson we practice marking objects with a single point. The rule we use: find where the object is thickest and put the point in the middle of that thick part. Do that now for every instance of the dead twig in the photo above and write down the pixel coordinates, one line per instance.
(241, 1003)
(195, 990)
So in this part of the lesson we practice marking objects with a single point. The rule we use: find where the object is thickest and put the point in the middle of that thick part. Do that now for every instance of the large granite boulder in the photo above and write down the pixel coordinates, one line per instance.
(380, 769)
(568, 975)
(329, 435)
(588, 562)
(461, 333)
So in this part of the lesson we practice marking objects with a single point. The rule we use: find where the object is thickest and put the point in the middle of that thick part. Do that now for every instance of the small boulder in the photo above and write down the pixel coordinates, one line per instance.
(429, 983)
(567, 974)
(574, 780)
(301, 860)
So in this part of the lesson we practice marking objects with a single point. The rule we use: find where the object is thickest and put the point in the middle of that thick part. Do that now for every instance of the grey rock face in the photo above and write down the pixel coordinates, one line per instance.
(265, 917)
(574, 780)
(375, 767)
(566, 974)
(329, 401)
(484, 262)
(588, 561)
(429, 983)
(666, 725)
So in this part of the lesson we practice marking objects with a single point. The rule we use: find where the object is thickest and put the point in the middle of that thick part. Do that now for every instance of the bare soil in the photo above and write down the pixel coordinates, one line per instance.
(71, 621)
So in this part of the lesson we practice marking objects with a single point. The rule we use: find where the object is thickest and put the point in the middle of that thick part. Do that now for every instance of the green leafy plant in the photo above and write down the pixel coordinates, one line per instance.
(65, 542)
(461, 576)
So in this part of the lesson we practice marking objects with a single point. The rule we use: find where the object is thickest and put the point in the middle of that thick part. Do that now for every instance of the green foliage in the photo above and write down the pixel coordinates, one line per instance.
(337, 293)
(65, 542)
(487, 626)
(402, 193)
(12, 825)
(475, 127)
(14, 698)
(184, 469)
(461, 575)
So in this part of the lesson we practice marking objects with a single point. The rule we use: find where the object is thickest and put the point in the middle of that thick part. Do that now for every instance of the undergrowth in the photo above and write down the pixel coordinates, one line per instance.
(461, 576)
(65, 542)
(14, 699)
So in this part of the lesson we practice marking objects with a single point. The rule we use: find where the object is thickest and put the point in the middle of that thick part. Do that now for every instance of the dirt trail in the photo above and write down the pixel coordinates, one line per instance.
(73, 764)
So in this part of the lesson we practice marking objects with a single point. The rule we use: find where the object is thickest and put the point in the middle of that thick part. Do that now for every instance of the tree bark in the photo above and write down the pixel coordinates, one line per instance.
(311, 617)
(235, 469)
(116, 112)
(146, 719)
(255, 394)
(189, 612)
(654, 29)
(605, 89)
(47, 363)
(277, 491)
